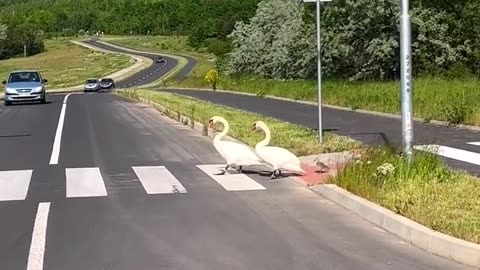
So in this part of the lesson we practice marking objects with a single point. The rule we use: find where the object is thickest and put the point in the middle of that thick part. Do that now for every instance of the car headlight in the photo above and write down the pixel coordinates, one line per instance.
(37, 89)
(10, 90)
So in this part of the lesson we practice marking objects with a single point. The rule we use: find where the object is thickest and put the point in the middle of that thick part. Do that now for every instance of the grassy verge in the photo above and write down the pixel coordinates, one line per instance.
(446, 99)
(299, 140)
(65, 64)
(427, 192)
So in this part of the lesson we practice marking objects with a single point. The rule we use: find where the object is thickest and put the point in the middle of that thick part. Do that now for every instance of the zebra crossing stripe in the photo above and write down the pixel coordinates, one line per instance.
(452, 153)
(230, 182)
(14, 185)
(474, 143)
(85, 182)
(158, 180)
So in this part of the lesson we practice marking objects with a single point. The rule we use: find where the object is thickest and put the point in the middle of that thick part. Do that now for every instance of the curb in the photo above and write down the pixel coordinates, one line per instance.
(418, 235)
(197, 126)
(386, 115)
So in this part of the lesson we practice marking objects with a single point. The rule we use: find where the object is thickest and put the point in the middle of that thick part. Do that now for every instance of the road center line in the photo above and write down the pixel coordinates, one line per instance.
(58, 135)
(37, 246)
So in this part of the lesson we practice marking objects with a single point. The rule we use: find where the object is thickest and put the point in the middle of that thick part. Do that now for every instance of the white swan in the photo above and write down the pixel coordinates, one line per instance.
(235, 154)
(277, 157)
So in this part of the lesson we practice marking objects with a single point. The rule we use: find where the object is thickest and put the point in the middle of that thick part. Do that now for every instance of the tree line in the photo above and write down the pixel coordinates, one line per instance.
(269, 38)
(205, 22)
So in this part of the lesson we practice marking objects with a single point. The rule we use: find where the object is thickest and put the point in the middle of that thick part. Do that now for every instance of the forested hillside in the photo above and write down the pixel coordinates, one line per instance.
(29, 20)
(277, 40)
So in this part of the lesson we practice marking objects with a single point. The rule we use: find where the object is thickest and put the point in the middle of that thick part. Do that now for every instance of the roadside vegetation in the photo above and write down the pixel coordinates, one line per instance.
(299, 140)
(65, 64)
(427, 192)
(451, 99)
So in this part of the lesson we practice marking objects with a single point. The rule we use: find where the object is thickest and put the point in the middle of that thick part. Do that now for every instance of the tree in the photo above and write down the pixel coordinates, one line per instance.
(3, 37)
(275, 43)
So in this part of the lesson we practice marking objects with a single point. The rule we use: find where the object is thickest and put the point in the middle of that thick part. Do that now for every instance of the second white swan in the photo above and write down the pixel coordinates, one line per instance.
(279, 158)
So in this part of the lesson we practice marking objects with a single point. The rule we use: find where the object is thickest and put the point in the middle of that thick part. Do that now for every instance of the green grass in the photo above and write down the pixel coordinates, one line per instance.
(427, 192)
(451, 100)
(299, 140)
(445, 99)
(65, 64)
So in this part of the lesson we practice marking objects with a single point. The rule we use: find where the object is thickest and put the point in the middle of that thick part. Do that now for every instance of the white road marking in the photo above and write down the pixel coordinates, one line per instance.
(85, 182)
(158, 180)
(231, 182)
(474, 143)
(453, 153)
(37, 246)
(14, 185)
(58, 135)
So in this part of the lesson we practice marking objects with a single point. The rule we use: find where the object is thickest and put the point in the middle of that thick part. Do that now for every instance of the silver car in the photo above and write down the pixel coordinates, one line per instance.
(91, 85)
(25, 85)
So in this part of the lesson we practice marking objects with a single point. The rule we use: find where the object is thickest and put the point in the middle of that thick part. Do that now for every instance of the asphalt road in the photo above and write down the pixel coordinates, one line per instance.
(107, 202)
(154, 72)
(370, 129)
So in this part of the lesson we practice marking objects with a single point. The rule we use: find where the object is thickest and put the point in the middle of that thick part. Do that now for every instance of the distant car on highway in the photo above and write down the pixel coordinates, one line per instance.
(92, 85)
(159, 59)
(107, 83)
(25, 85)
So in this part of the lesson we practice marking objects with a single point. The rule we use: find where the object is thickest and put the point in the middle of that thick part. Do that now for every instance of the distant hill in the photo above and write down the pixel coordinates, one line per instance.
(200, 19)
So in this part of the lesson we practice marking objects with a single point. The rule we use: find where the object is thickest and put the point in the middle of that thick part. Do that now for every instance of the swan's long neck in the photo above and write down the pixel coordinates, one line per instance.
(224, 132)
(268, 136)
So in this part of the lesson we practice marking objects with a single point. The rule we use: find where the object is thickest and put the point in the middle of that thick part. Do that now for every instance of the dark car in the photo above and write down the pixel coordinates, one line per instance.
(160, 59)
(107, 83)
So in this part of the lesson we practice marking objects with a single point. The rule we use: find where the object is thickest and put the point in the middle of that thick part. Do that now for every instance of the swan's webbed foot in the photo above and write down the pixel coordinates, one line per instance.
(224, 171)
(276, 174)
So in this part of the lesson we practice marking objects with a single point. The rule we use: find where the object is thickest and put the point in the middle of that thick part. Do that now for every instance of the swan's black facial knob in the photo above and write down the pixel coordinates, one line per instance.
(254, 127)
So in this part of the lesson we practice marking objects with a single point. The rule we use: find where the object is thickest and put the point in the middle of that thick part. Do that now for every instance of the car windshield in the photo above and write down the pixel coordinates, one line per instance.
(106, 80)
(91, 81)
(24, 77)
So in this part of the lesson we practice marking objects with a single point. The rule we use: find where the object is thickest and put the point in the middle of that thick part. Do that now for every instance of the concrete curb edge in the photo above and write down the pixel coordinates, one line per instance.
(386, 115)
(437, 243)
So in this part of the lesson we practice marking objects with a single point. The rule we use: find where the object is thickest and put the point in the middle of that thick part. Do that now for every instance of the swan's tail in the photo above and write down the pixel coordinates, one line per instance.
(295, 168)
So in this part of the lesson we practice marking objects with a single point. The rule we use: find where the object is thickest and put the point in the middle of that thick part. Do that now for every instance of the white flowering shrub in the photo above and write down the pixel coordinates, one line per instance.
(360, 40)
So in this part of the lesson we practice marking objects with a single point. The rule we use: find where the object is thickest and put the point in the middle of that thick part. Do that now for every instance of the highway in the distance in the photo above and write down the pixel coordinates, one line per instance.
(112, 184)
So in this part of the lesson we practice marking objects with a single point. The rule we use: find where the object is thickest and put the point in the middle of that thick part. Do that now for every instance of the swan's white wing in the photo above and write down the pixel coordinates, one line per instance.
(280, 158)
(240, 154)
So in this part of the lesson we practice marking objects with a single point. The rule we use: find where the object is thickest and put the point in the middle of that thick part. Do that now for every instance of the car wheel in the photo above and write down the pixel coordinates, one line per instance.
(8, 103)
(44, 99)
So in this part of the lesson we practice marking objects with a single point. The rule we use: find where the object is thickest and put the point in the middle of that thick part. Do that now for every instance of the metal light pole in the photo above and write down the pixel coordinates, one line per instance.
(406, 80)
(319, 68)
